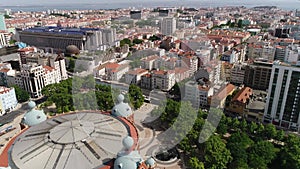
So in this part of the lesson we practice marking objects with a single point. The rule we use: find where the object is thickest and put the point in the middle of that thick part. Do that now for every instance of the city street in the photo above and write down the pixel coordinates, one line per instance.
(148, 141)
(9, 117)
(12, 119)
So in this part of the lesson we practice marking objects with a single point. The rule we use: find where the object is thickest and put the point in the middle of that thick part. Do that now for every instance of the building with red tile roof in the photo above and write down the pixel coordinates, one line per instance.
(218, 99)
(240, 100)
(134, 76)
(163, 79)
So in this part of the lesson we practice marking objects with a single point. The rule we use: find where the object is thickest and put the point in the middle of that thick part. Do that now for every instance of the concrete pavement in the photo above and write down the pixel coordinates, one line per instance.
(148, 141)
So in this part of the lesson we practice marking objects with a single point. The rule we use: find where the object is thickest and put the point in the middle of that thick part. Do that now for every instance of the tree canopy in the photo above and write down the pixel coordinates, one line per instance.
(136, 96)
(235, 144)
(21, 94)
(80, 94)
(216, 155)
(290, 153)
(195, 163)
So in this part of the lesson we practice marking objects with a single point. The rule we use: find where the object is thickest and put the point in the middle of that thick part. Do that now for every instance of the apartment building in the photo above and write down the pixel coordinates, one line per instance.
(8, 100)
(168, 26)
(226, 71)
(212, 72)
(57, 61)
(162, 79)
(146, 81)
(115, 71)
(257, 74)
(5, 71)
(51, 76)
(165, 62)
(230, 56)
(198, 92)
(148, 62)
(237, 74)
(292, 54)
(135, 76)
(181, 74)
(24, 52)
(190, 62)
(33, 78)
(280, 53)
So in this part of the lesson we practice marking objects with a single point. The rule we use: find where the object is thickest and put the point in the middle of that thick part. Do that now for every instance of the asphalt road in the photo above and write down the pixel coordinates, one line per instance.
(9, 117)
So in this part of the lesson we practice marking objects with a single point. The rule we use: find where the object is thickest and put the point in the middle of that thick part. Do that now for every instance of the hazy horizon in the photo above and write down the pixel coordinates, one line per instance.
(109, 4)
(55, 2)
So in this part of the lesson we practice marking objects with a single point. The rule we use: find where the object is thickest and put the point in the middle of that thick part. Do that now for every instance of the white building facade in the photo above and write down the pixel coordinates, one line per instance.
(33, 79)
(197, 93)
(163, 80)
(283, 101)
(8, 100)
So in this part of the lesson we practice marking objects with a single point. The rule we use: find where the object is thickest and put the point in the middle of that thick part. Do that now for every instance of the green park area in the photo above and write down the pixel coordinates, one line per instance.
(82, 93)
(234, 144)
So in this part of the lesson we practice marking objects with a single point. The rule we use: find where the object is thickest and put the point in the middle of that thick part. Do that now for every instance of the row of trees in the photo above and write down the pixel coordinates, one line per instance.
(83, 94)
(129, 42)
(234, 144)
(137, 41)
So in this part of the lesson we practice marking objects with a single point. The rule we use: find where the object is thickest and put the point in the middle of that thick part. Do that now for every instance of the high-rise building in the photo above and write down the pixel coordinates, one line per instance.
(297, 13)
(168, 26)
(109, 36)
(283, 100)
(136, 14)
(2, 22)
(280, 53)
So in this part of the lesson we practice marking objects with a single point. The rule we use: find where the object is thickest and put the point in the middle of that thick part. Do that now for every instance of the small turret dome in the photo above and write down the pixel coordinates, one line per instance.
(31, 104)
(72, 50)
(150, 162)
(33, 116)
(128, 142)
(120, 98)
(121, 109)
(124, 163)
